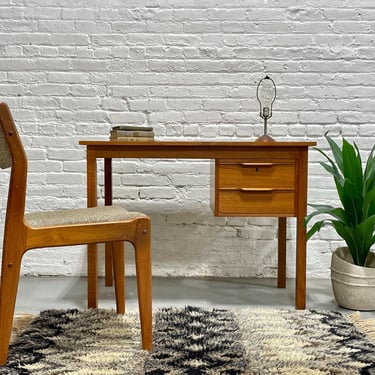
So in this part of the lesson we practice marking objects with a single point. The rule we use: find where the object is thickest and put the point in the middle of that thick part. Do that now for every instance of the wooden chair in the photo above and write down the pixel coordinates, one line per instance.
(108, 224)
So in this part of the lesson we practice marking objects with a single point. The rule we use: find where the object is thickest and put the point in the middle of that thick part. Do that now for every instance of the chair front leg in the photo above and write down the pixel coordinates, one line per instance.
(119, 275)
(142, 248)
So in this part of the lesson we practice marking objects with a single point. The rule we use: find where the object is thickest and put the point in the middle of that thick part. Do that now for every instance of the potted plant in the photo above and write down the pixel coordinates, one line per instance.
(353, 266)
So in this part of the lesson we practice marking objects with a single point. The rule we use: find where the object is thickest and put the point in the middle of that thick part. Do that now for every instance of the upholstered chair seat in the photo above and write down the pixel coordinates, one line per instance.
(80, 215)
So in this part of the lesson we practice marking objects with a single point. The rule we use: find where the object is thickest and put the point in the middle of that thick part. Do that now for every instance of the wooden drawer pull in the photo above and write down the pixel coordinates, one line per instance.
(254, 190)
(249, 190)
(246, 190)
(257, 164)
(260, 190)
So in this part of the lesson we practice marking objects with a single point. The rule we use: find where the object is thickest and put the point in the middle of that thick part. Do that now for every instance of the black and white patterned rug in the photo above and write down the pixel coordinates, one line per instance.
(193, 341)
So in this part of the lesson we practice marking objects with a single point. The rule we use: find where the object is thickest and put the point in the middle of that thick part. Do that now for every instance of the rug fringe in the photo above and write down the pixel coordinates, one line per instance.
(20, 322)
(366, 326)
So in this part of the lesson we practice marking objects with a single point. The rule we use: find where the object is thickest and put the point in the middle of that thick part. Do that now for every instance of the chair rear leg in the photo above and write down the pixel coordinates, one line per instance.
(144, 280)
(119, 275)
(10, 274)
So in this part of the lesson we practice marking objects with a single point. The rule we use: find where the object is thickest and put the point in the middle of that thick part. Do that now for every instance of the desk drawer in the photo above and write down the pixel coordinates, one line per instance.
(260, 202)
(255, 188)
(253, 174)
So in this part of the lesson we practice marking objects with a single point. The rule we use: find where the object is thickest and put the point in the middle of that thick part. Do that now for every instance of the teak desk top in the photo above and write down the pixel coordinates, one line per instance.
(263, 153)
(184, 149)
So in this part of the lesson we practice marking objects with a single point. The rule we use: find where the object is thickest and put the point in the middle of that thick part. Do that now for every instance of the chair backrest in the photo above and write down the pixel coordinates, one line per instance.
(12, 154)
(5, 157)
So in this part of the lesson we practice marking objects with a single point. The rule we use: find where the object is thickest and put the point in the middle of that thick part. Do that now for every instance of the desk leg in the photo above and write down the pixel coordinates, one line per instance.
(92, 276)
(301, 264)
(108, 264)
(108, 202)
(92, 256)
(281, 262)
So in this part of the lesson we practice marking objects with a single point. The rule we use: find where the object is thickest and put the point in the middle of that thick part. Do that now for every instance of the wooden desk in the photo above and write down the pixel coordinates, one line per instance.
(250, 179)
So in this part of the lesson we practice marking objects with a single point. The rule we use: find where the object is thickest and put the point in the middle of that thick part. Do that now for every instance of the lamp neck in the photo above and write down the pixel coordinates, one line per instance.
(265, 125)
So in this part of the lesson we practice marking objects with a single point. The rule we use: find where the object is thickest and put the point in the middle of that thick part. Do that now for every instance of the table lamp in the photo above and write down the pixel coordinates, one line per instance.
(266, 95)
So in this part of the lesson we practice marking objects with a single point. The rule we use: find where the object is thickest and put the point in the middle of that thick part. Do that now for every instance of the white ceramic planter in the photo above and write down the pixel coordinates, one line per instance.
(353, 286)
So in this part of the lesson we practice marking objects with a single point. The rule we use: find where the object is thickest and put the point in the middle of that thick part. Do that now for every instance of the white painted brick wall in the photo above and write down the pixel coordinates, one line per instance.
(71, 69)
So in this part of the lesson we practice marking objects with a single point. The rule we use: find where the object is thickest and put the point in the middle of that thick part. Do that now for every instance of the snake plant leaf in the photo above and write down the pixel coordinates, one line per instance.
(336, 152)
(363, 242)
(369, 203)
(352, 171)
(315, 228)
(347, 234)
(352, 200)
(370, 170)
(335, 212)
(331, 167)
(367, 226)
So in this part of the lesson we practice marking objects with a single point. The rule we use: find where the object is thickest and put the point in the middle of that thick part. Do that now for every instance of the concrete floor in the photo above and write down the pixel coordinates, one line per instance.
(39, 293)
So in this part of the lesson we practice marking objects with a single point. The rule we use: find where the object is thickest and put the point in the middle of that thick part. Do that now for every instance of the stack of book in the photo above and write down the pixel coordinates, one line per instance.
(131, 133)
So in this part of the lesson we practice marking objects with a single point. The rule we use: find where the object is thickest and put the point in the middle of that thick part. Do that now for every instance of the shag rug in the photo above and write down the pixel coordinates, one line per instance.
(193, 341)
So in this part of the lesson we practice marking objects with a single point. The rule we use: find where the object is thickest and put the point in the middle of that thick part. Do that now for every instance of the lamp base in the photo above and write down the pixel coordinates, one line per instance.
(265, 138)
